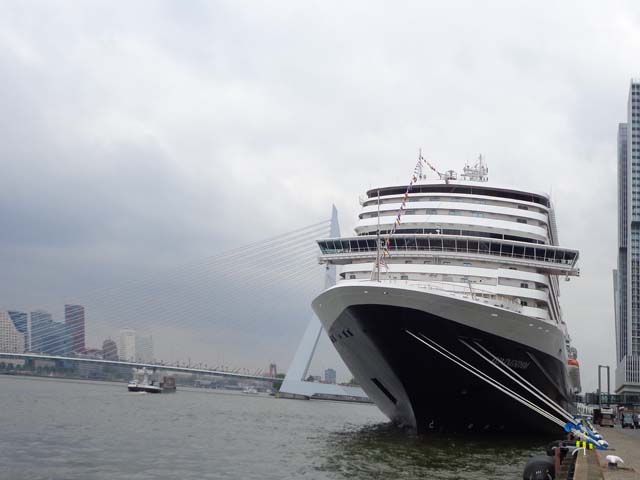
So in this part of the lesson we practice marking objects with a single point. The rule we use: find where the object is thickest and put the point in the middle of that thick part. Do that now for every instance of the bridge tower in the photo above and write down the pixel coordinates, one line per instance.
(294, 383)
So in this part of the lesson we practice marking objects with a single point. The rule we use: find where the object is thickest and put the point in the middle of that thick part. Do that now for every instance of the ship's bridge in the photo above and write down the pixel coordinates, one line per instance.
(549, 259)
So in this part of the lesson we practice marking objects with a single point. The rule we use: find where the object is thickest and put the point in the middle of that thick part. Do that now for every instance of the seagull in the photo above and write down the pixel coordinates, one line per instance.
(613, 460)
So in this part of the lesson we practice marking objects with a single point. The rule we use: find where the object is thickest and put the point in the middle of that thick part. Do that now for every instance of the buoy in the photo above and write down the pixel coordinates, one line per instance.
(540, 467)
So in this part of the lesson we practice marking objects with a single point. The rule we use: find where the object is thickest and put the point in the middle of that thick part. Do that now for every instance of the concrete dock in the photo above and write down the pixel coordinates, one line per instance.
(625, 443)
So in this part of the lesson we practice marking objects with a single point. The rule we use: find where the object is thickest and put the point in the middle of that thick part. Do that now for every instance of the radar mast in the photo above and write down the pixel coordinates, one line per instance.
(478, 173)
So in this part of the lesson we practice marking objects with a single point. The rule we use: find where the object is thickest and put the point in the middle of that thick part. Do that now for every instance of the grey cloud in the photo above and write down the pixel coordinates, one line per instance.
(137, 138)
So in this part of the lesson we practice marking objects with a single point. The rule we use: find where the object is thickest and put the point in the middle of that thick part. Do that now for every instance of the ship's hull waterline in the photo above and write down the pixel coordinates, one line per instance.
(417, 387)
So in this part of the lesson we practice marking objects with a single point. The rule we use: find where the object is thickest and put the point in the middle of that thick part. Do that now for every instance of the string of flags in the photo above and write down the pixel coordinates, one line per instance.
(418, 174)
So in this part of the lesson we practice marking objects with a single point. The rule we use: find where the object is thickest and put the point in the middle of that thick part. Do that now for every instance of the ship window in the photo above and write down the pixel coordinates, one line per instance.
(404, 277)
(522, 220)
(524, 285)
(352, 277)
(523, 303)
(523, 207)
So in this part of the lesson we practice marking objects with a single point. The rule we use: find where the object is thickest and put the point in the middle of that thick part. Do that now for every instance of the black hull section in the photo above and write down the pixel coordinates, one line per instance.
(444, 396)
(144, 389)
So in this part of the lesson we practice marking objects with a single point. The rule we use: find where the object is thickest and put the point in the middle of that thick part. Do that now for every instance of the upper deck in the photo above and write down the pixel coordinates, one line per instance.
(464, 187)
(460, 233)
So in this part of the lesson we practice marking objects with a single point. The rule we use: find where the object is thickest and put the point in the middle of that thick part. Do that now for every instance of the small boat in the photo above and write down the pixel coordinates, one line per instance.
(145, 385)
(134, 386)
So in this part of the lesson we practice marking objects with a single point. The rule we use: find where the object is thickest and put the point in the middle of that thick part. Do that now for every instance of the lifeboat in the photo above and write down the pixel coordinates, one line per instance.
(573, 367)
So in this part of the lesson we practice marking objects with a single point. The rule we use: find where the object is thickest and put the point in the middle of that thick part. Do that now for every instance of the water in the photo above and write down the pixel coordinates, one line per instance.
(60, 429)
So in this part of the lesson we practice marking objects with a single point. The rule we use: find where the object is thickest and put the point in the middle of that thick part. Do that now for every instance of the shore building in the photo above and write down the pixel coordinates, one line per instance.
(330, 375)
(11, 339)
(626, 278)
(127, 345)
(109, 350)
(22, 324)
(144, 349)
(74, 319)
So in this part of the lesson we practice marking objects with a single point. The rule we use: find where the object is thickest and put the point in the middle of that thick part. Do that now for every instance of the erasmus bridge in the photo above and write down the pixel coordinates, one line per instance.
(248, 304)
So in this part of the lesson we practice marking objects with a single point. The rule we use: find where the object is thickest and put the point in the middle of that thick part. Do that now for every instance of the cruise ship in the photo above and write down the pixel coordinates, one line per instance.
(454, 264)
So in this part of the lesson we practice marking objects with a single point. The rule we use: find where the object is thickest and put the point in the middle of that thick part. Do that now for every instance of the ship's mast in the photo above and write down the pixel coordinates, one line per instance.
(377, 269)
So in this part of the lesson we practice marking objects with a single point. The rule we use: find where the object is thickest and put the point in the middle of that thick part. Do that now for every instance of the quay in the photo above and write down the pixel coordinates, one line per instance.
(593, 464)
(625, 443)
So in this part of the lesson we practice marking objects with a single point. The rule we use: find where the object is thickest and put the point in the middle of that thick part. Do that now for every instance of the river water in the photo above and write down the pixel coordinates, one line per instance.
(62, 429)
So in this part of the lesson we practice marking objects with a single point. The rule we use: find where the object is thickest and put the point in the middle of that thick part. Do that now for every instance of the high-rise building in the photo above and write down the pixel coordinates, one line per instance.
(11, 339)
(109, 350)
(626, 278)
(74, 319)
(49, 336)
(144, 349)
(330, 375)
(127, 345)
(22, 324)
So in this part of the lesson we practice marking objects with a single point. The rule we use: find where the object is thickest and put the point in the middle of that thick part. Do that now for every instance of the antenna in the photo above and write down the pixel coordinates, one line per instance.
(478, 173)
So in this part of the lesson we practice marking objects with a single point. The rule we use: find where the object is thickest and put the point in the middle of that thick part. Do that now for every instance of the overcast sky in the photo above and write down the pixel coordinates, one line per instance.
(135, 136)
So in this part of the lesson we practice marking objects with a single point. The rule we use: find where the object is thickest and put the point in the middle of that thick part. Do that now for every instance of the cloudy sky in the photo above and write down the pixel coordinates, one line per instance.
(138, 136)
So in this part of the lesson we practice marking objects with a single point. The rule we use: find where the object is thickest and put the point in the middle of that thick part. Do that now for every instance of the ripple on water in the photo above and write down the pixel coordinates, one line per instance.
(89, 430)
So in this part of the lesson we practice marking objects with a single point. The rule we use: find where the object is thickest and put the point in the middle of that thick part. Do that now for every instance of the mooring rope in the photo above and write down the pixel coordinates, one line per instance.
(516, 377)
(486, 378)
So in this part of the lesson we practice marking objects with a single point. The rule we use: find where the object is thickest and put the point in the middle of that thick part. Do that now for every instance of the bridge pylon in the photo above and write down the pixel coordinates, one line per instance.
(294, 383)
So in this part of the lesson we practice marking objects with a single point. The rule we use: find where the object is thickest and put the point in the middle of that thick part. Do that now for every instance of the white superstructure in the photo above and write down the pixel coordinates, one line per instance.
(468, 238)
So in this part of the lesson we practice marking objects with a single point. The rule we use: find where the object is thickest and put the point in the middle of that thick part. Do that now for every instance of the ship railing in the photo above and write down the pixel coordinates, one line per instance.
(467, 292)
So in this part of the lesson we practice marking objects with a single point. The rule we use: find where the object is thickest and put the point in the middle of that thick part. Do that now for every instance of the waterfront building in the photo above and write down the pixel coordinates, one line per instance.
(127, 345)
(11, 339)
(40, 323)
(330, 375)
(49, 336)
(109, 350)
(22, 324)
(144, 349)
(74, 318)
(626, 278)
